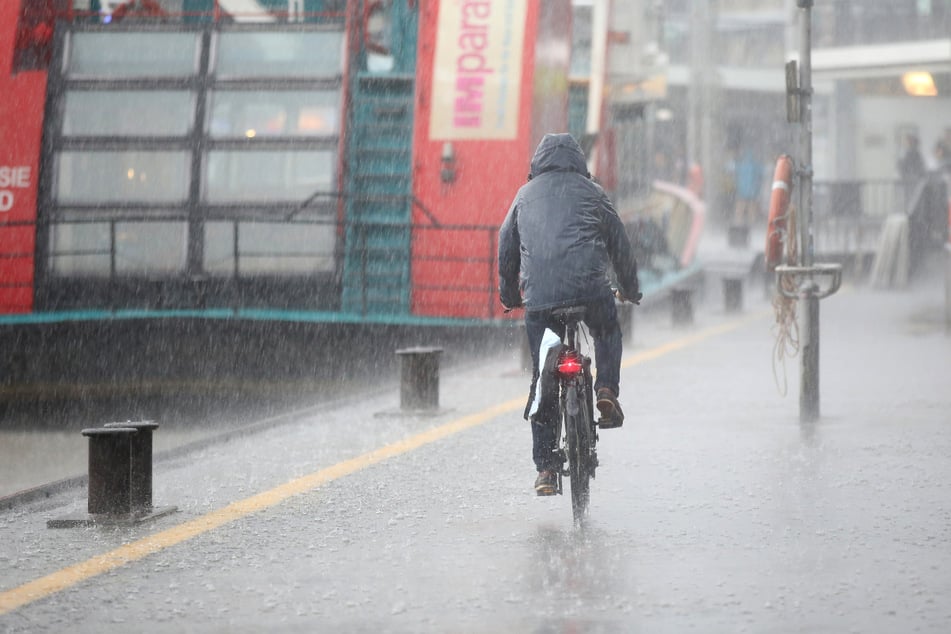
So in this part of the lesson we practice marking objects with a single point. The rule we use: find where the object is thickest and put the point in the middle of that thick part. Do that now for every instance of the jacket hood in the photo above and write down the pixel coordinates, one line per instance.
(558, 152)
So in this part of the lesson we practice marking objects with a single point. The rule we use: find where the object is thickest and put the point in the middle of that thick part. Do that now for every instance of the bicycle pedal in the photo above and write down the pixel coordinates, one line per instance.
(606, 423)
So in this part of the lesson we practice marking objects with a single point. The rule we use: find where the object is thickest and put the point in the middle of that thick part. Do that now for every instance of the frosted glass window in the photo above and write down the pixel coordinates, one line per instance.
(104, 177)
(274, 113)
(267, 176)
(219, 248)
(144, 248)
(141, 248)
(80, 249)
(272, 248)
(280, 54)
(128, 113)
(141, 54)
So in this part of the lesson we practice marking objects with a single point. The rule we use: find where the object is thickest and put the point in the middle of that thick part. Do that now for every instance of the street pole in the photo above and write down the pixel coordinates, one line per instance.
(599, 39)
(694, 89)
(806, 272)
(710, 106)
(809, 299)
(700, 96)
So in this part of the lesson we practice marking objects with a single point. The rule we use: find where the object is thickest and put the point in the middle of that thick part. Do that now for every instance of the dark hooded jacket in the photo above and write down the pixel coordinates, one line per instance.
(560, 235)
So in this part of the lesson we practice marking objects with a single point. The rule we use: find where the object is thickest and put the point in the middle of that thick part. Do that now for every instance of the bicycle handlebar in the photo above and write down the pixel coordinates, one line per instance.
(636, 300)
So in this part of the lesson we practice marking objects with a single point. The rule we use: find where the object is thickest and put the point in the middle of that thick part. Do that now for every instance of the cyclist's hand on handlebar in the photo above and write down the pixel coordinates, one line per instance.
(634, 300)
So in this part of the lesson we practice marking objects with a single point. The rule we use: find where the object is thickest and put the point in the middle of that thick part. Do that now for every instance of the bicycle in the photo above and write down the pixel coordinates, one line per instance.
(576, 434)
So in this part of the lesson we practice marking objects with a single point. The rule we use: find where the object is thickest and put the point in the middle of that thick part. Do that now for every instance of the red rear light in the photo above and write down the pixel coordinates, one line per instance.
(569, 365)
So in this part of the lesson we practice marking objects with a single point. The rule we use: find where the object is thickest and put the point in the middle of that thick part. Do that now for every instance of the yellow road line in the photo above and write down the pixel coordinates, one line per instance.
(691, 339)
(72, 575)
(67, 577)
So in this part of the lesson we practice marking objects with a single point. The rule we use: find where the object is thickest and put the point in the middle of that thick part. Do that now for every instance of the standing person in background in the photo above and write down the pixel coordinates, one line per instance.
(942, 157)
(911, 170)
(748, 179)
(911, 165)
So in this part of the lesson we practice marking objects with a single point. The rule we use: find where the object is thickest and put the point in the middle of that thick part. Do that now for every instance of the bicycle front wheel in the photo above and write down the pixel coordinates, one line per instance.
(578, 437)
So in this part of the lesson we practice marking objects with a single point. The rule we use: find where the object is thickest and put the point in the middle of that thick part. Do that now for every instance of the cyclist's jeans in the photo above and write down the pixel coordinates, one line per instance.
(601, 319)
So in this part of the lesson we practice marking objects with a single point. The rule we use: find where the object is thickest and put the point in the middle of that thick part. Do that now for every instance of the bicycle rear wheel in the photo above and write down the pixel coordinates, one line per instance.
(578, 436)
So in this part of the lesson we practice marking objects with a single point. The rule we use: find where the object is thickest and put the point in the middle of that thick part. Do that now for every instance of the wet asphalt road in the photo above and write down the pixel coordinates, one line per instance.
(714, 510)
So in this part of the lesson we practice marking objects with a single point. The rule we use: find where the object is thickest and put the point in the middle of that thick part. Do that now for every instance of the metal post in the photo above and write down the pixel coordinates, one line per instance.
(599, 37)
(710, 108)
(807, 248)
(809, 309)
(695, 96)
(809, 379)
(681, 306)
(419, 378)
(120, 477)
(141, 465)
(733, 294)
(807, 272)
(110, 473)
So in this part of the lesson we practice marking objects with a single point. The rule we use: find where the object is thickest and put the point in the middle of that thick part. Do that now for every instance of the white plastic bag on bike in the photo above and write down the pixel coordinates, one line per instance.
(550, 341)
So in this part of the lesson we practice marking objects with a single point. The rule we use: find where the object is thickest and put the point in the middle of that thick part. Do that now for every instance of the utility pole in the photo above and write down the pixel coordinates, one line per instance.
(692, 101)
(700, 96)
(710, 108)
(599, 48)
(698, 71)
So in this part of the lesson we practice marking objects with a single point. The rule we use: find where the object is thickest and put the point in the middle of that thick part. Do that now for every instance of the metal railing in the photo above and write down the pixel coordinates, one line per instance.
(848, 215)
(11, 250)
(194, 11)
(858, 22)
(438, 269)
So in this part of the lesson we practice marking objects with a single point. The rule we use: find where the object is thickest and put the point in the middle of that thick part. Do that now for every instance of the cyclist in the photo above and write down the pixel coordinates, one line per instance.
(555, 246)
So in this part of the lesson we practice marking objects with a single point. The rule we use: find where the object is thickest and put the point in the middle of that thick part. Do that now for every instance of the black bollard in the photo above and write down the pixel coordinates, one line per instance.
(681, 302)
(733, 294)
(110, 470)
(141, 463)
(419, 378)
(120, 477)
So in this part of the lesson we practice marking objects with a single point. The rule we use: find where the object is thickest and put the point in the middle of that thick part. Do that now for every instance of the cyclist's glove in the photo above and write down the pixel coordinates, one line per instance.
(636, 299)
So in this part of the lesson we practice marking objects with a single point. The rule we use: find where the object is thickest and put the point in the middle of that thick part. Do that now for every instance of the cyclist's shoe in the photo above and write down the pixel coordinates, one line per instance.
(546, 483)
(611, 414)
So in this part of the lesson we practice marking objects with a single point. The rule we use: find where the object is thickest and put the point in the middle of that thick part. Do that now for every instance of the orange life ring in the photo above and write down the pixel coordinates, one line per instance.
(778, 209)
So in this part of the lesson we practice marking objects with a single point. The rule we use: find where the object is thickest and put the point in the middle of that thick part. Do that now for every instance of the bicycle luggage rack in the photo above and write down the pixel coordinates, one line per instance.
(120, 477)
